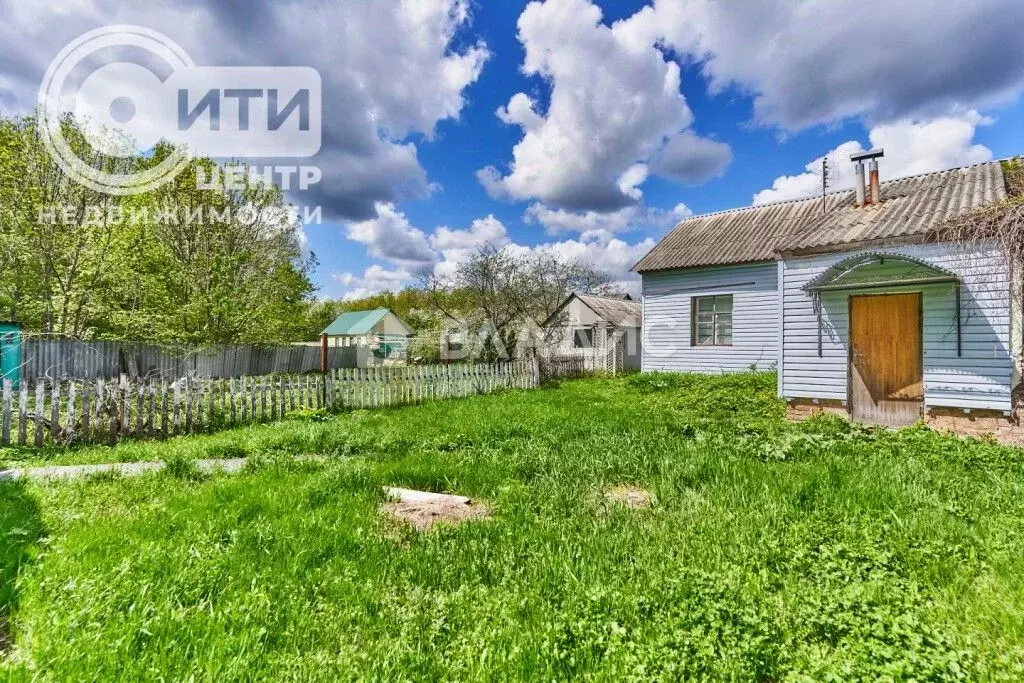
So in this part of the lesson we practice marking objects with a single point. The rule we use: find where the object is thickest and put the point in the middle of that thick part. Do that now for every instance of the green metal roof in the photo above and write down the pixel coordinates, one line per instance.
(355, 322)
(879, 269)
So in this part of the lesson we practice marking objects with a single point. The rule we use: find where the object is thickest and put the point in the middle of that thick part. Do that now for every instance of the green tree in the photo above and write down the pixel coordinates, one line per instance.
(178, 263)
(58, 235)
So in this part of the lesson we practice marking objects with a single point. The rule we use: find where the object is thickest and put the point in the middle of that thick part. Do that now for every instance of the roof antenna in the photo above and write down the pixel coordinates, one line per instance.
(824, 182)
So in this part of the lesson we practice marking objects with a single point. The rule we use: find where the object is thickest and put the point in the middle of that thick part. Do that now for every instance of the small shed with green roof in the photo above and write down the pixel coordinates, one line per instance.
(379, 329)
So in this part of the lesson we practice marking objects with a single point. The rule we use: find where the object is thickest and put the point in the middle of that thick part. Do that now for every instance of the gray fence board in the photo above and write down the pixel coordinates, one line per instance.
(60, 359)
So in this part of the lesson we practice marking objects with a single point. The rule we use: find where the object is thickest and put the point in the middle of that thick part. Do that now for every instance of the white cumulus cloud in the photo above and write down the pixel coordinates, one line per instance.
(613, 258)
(482, 231)
(809, 62)
(390, 69)
(601, 227)
(374, 280)
(415, 254)
(615, 101)
(691, 160)
(455, 245)
(911, 147)
(392, 237)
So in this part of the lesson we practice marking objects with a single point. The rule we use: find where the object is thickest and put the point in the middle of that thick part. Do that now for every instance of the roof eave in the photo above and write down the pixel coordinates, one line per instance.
(719, 264)
(899, 241)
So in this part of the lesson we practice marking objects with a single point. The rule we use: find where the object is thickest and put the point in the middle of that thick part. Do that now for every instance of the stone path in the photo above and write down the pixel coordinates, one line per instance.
(126, 469)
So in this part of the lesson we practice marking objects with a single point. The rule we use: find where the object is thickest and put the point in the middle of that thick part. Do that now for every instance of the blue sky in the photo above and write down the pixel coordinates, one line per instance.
(627, 115)
(479, 138)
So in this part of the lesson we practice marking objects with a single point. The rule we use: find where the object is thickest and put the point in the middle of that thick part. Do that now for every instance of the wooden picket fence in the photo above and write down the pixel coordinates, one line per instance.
(565, 365)
(67, 412)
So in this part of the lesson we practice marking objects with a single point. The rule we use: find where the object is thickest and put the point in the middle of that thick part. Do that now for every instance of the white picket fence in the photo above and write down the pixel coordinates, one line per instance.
(64, 412)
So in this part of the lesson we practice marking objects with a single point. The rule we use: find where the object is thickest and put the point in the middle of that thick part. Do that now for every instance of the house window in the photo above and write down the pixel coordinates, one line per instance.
(583, 338)
(712, 321)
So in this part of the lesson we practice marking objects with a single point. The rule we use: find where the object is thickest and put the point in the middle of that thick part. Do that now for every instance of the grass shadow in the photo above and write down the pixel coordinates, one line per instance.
(21, 527)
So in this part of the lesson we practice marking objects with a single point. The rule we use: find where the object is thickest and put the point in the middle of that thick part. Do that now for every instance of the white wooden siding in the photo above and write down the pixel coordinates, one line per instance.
(980, 378)
(574, 316)
(666, 332)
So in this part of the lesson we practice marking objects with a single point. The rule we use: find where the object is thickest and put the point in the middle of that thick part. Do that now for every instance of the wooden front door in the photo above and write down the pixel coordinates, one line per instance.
(886, 378)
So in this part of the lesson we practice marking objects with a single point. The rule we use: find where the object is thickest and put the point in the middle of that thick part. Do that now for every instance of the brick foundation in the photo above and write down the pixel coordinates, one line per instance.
(802, 408)
(1007, 429)
(977, 423)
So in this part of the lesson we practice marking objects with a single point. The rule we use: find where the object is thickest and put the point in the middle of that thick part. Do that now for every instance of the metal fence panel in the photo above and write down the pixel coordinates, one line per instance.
(52, 359)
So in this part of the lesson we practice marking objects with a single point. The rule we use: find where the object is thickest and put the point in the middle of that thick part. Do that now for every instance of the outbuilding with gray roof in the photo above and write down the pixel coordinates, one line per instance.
(608, 326)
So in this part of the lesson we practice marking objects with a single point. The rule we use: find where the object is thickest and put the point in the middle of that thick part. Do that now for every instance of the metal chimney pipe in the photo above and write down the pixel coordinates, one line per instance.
(860, 182)
(874, 184)
(860, 158)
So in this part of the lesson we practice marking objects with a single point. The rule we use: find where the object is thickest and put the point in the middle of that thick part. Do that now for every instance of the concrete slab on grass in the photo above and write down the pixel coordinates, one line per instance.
(410, 496)
(125, 469)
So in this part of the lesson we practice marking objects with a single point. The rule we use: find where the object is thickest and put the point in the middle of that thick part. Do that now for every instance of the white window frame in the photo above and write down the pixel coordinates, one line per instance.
(719, 318)
(579, 334)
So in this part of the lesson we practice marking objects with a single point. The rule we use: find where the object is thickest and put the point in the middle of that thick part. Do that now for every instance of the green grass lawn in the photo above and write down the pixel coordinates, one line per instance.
(774, 551)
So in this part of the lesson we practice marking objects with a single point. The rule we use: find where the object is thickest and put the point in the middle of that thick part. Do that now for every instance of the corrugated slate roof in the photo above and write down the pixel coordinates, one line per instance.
(355, 322)
(914, 206)
(616, 311)
(619, 311)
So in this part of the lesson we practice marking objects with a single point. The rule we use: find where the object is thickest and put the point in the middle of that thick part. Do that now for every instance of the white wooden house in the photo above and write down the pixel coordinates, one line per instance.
(608, 327)
(854, 298)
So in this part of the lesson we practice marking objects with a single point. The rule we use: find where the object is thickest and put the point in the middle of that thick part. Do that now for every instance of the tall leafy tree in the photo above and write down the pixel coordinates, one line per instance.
(179, 263)
(58, 235)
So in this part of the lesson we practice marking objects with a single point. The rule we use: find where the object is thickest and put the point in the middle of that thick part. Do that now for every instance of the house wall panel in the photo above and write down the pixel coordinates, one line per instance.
(667, 307)
(978, 378)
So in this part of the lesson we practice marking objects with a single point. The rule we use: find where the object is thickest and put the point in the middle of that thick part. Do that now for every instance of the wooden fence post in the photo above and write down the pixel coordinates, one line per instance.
(140, 405)
(23, 414)
(273, 400)
(5, 430)
(100, 407)
(152, 407)
(177, 407)
(122, 404)
(263, 399)
(72, 399)
(252, 399)
(163, 408)
(211, 384)
(39, 412)
(323, 370)
(55, 411)
(114, 408)
(188, 406)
